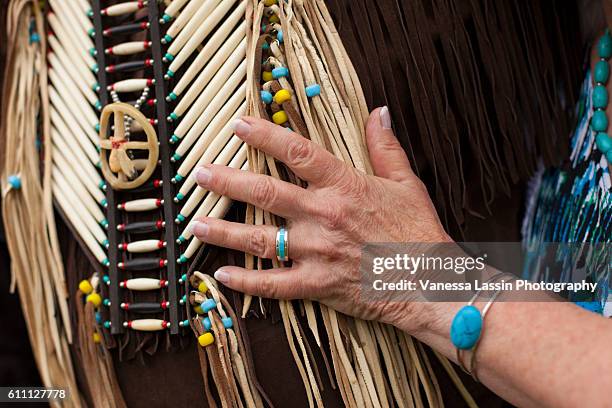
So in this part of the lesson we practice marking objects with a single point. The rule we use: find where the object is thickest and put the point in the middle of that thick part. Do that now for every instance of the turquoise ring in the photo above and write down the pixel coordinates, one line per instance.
(282, 244)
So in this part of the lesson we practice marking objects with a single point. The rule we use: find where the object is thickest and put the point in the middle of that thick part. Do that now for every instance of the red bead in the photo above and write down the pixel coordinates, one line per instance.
(158, 202)
(159, 225)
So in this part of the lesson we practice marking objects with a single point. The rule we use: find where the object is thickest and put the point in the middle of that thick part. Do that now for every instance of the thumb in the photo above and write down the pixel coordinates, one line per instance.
(280, 283)
(386, 154)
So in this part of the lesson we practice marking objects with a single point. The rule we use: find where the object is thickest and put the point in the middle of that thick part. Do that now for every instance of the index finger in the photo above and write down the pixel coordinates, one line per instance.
(307, 160)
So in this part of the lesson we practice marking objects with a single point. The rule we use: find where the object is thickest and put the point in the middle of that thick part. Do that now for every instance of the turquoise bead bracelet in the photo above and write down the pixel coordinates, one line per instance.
(600, 99)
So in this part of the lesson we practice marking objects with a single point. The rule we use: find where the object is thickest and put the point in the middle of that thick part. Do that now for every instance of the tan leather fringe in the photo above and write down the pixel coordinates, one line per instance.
(27, 212)
(375, 365)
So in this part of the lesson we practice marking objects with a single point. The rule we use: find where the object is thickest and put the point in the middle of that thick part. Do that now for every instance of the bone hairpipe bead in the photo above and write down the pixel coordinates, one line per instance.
(128, 48)
(123, 8)
(148, 245)
(131, 85)
(203, 30)
(147, 324)
(174, 7)
(144, 204)
(181, 21)
(190, 27)
(142, 284)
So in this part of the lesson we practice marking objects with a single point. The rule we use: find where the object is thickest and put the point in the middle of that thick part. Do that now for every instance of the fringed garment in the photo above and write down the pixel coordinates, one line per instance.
(572, 203)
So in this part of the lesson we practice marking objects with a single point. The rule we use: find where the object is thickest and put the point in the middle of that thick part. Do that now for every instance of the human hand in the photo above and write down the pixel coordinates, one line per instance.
(328, 222)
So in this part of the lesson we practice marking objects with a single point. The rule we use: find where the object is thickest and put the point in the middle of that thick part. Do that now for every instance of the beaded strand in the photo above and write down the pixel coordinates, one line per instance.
(601, 74)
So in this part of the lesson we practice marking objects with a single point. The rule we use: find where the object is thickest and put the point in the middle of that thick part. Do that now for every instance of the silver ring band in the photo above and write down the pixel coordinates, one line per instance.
(282, 244)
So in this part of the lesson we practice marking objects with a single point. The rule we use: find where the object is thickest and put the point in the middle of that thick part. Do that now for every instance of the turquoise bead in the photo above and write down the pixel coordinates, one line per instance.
(601, 72)
(208, 305)
(106, 279)
(604, 142)
(609, 156)
(599, 121)
(14, 181)
(313, 90)
(266, 97)
(280, 72)
(466, 327)
(600, 97)
(107, 324)
(279, 36)
(227, 322)
(604, 47)
(207, 323)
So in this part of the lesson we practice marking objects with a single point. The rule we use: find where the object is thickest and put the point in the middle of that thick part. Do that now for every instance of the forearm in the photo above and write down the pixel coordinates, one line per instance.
(547, 353)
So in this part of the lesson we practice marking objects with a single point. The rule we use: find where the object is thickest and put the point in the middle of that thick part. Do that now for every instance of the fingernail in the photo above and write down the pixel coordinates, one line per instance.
(199, 229)
(385, 118)
(241, 128)
(222, 276)
(202, 175)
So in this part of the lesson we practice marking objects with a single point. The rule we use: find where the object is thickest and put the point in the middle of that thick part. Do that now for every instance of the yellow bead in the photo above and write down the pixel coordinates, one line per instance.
(267, 76)
(280, 117)
(206, 339)
(85, 287)
(96, 337)
(282, 96)
(274, 19)
(202, 288)
(95, 299)
(198, 309)
(269, 3)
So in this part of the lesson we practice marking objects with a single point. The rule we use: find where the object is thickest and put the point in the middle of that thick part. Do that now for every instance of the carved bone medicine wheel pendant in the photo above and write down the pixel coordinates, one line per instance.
(121, 170)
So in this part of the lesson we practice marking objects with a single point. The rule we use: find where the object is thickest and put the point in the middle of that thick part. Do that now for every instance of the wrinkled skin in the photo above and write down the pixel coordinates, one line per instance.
(328, 222)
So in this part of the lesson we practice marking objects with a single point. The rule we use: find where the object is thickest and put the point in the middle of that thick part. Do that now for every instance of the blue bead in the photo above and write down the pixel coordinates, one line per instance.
(98, 317)
(279, 36)
(604, 47)
(601, 72)
(280, 72)
(603, 142)
(266, 97)
(207, 324)
(466, 328)
(600, 97)
(599, 121)
(208, 305)
(227, 322)
(313, 90)
(15, 181)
